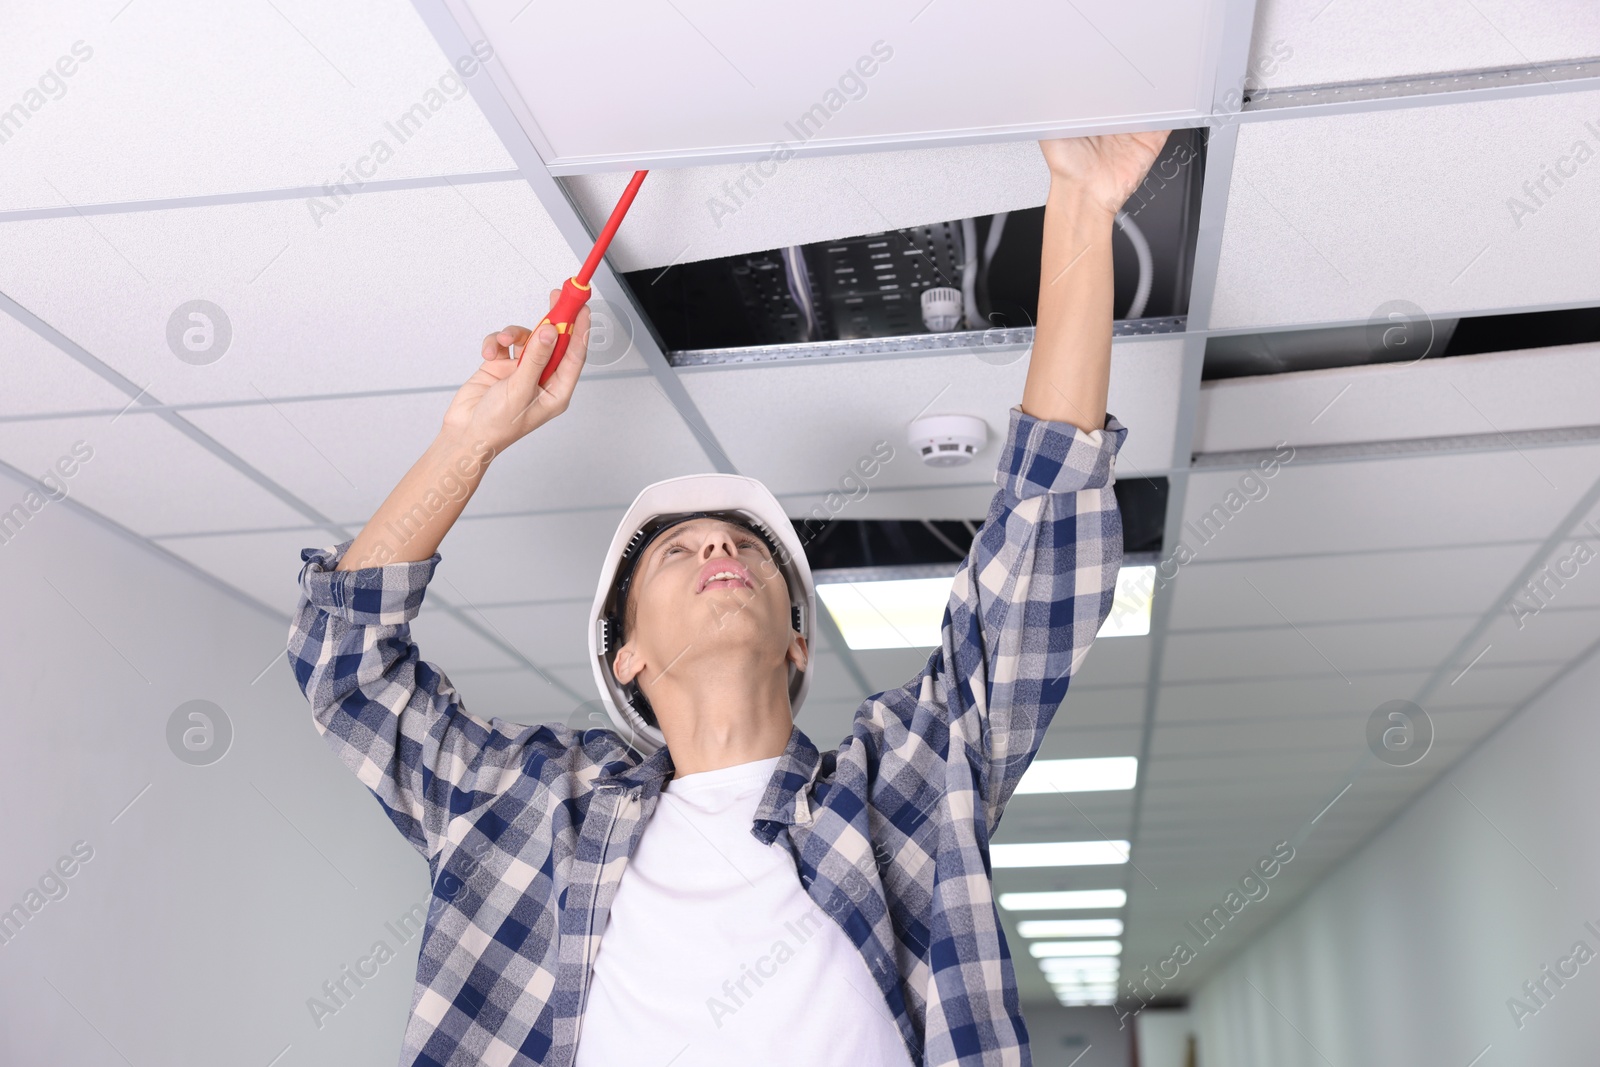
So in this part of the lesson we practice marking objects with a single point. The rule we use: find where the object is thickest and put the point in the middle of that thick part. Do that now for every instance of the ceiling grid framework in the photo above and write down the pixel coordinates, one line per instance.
(1379, 562)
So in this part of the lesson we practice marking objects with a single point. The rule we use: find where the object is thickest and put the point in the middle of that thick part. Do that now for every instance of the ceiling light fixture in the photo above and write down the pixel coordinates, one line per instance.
(1032, 928)
(1058, 854)
(1079, 775)
(1065, 900)
(909, 612)
(1041, 949)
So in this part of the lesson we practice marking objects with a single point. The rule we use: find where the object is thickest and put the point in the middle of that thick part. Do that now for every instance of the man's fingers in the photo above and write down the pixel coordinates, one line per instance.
(498, 345)
(565, 379)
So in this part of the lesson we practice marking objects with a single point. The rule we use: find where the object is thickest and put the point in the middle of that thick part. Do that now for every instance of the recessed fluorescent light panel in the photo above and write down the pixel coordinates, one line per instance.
(1041, 949)
(1079, 775)
(1065, 900)
(909, 612)
(1058, 853)
(1076, 967)
(1032, 928)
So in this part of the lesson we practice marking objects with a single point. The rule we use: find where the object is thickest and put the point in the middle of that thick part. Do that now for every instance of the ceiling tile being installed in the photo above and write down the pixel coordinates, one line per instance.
(835, 74)
(1318, 42)
(1495, 392)
(696, 213)
(842, 409)
(181, 99)
(1332, 219)
(396, 290)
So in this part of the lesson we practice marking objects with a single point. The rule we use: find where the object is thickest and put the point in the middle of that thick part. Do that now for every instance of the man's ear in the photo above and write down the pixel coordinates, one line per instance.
(798, 653)
(628, 663)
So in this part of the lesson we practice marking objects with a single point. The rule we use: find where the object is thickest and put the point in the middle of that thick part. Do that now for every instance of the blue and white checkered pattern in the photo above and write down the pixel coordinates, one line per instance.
(527, 829)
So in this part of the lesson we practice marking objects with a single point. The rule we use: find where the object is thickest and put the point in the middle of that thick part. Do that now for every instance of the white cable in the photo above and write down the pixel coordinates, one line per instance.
(798, 278)
(969, 272)
(1141, 249)
(997, 226)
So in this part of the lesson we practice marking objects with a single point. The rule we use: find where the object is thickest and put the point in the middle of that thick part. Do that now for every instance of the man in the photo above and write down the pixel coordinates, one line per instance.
(701, 885)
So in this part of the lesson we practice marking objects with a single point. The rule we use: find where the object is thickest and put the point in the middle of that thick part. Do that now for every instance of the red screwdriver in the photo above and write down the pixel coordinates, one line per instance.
(575, 290)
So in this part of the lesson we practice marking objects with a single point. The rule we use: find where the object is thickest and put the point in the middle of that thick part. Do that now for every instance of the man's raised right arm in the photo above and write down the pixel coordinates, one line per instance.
(393, 719)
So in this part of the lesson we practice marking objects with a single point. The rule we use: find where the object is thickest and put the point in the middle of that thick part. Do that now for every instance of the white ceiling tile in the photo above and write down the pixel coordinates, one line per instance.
(40, 378)
(1088, 707)
(493, 560)
(345, 456)
(553, 634)
(185, 99)
(1488, 683)
(1370, 585)
(449, 644)
(395, 291)
(1301, 648)
(746, 79)
(803, 429)
(1540, 636)
(1314, 42)
(1493, 392)
(519, 695)
(1407, 501)
(1115, 661)
(1331, 218)
(698, 213)
(265, 565)
(145, 474)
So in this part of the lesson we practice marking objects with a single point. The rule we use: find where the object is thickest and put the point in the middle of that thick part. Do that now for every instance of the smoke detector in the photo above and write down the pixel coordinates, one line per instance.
(948, 440)
(941, 309)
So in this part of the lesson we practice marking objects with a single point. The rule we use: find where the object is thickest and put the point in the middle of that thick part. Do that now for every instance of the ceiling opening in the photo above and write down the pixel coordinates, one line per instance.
(985, 271)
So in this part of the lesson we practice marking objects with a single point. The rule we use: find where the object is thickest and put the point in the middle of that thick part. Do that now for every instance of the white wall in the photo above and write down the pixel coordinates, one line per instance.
(205, 918)
(1409, 952)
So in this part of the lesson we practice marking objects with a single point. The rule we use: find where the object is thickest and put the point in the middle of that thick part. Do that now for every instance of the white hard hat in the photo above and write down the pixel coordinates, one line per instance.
(659, 506)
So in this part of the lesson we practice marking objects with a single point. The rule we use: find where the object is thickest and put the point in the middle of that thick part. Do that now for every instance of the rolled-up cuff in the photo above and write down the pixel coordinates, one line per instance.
(371, 596)
(1042, 456)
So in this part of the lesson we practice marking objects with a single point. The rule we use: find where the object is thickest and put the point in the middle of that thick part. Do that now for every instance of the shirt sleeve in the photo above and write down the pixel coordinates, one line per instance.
(1030, 596)
(392, 718)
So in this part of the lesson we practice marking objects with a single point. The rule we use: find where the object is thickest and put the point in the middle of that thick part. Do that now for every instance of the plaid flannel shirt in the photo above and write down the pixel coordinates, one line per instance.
(527, 830)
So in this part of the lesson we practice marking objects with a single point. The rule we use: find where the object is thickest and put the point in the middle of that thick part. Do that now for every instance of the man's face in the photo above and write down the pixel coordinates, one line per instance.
(706, 589)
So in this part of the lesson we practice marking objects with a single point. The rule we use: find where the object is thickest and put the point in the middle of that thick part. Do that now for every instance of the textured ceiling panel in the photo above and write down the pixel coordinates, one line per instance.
(1555, 633)
(1493, 392)
(704, 212)
(144, 474)
(1260, 697)
(1459, 580)
(448, 643)
(1404, 502)
(529, 557)
(39, 378)
(188, 98)
(1315, 42)
(706, 77)
(1329, 219)
(395, 290)
(345, 455)
(1300, 648)
(803, 428)
(266, 565)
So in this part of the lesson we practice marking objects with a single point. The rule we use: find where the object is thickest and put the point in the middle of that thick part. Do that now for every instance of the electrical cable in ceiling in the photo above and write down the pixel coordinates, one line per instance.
(798, 277)
(969, 272)
(1141, 249)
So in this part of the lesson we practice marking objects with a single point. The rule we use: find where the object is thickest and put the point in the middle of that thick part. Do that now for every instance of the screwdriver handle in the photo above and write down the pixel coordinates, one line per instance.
(574, 294)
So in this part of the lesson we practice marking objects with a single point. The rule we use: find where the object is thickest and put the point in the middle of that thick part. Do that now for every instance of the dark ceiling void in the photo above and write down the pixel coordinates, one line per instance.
(871, 286)
(1401, 334)
(835, 544)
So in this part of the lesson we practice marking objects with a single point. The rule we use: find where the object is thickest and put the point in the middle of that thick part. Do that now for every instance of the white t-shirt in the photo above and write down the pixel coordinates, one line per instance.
(714, 956)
